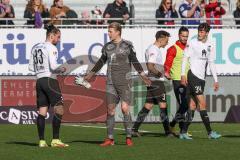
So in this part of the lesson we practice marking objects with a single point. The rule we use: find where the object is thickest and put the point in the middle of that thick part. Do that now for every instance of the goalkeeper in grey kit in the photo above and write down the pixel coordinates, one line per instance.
(119, 55)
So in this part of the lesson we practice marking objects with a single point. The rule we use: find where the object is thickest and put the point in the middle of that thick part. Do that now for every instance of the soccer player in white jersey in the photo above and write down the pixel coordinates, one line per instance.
(200, 52)
(43, 62)
(156, 93)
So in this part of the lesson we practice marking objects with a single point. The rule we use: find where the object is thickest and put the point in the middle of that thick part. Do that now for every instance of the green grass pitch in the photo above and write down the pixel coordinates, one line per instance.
(20, 142)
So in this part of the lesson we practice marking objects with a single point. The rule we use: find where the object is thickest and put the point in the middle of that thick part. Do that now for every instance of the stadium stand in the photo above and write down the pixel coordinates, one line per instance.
(144, 9)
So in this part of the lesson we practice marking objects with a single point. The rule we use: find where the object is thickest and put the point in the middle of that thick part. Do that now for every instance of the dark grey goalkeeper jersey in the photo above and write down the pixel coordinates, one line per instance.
(119, 58)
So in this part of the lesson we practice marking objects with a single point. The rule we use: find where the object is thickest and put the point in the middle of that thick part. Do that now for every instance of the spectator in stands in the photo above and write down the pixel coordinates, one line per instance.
(214, 9)
(188, 9)
(117, 9)
(236, 13)
(87, 19)
(166, 10)
(59, 10)
(6, 11)
(97, 15)
(35, 10)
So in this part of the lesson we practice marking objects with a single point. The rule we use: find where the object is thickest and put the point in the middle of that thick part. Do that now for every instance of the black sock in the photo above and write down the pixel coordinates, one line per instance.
(41, 126)
(206, 120)
(181, 121)
(56, 122)
(165, 120)
(141, 116)
(174, 121)
(187, 122)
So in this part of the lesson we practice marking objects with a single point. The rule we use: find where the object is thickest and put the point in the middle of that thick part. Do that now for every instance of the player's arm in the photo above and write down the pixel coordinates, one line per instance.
(133, 59)
(151, 61)
(31, 63)
(151, 68)
(213, 68)
(171, 54)
(187, 52)
(54, 66)
(100, 63)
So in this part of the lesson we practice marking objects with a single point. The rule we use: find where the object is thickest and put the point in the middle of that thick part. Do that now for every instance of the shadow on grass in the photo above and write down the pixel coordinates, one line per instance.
(86, 141)
(231, 136)
(22, 143)
(149, 134)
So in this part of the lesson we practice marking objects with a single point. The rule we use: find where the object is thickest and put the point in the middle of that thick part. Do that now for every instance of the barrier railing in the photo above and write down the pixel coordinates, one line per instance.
(132, 22)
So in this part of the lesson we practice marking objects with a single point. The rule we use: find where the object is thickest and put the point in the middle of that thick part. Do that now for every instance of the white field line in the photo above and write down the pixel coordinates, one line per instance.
(99, 127)
(143, 131)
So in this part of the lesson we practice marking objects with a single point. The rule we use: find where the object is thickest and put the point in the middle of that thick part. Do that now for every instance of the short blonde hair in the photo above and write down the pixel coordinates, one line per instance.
(117, 26)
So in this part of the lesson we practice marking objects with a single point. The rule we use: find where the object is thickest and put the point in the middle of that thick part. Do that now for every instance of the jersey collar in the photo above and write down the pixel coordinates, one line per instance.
(182, 46)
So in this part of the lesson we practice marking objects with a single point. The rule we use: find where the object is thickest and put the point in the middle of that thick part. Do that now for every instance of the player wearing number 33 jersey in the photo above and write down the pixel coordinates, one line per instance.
(43, 62)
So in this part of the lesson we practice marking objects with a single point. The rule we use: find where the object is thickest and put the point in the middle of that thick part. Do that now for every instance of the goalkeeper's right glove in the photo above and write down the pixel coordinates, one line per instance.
(80, 81)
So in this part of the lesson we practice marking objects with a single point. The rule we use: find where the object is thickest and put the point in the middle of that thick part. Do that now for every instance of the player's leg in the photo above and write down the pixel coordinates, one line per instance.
(110, 124)
(189, 118)
(159, 97)
(41, 125)
(164, 116)
(127, 122)
(140, 118)
(56, 100)
(112, 100)
(42, 104)
(144, 111)
(124, 92)
(180, 94)
(205, 118)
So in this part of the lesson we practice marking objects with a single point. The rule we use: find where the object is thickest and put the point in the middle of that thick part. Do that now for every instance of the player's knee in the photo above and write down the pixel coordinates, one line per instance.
(148, 106)
(202, 106)
(42, 113)
(111, 111)
(59, 110)
(162, 105)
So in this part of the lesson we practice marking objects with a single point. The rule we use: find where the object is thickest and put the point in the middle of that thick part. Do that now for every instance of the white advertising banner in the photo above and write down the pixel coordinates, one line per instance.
(80, 46)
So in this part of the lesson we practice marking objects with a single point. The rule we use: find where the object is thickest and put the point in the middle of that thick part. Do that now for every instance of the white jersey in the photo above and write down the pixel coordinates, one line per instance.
(200, 55)
(43, 60)
(153, 55)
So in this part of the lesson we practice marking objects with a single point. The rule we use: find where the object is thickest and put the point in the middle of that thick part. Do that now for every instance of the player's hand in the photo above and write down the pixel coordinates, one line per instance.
(63, 69)
(184, 80)
(167, 75)
(79, 80)
(147, 81)
(216, 86)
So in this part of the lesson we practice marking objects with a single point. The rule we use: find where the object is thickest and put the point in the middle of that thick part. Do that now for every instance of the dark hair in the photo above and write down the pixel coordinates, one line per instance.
(161, 34)
(183, 29)
(51, 29)
(30, 6)
(54, 3)
(117, 26)
(204, 26)
(161, 8)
